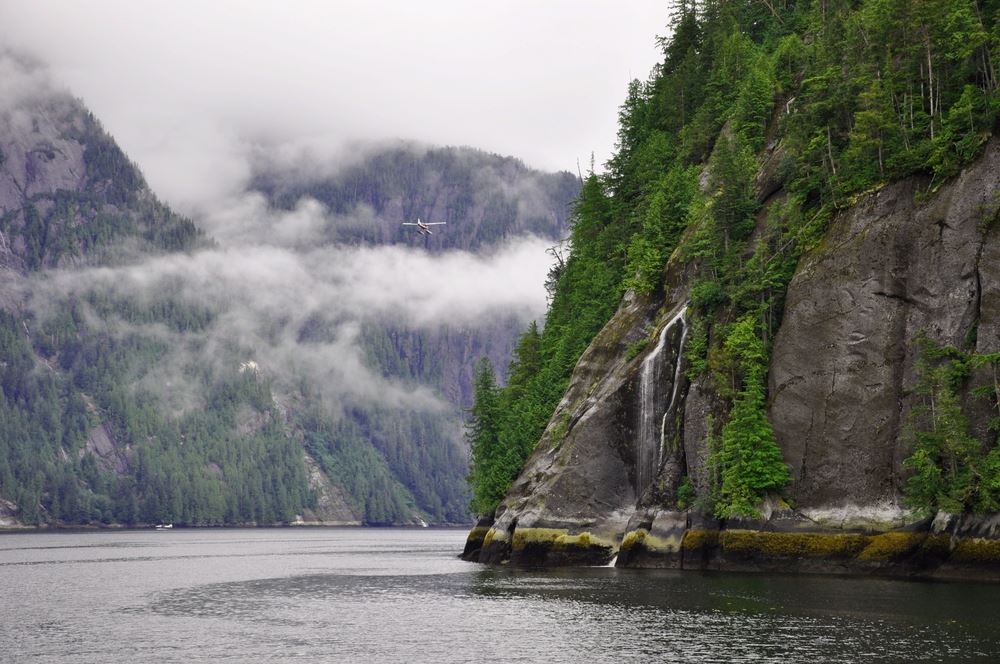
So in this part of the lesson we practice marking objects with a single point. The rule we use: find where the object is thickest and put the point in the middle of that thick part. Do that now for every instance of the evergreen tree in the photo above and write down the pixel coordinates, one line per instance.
(482, 431)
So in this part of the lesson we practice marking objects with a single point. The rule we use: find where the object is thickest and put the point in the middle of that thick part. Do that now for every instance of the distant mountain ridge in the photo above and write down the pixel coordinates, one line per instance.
(109, 411)
(68, 192)
(483, 198)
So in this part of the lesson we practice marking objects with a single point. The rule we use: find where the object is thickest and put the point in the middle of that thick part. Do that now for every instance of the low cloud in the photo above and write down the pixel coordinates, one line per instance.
(276, 274)
(191, 88)
(267, 297)
(22, 81)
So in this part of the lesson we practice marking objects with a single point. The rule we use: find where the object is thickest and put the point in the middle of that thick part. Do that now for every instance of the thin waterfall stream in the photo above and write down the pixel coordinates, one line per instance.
(654, 414)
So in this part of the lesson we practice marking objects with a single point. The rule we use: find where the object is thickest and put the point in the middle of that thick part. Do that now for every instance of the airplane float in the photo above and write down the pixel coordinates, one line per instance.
(423, 227)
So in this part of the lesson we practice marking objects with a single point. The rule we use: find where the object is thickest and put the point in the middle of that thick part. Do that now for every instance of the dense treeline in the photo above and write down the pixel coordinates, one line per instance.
(818, 100)
(215, 448)
(952, 470)
(196, 468)
(112, 414)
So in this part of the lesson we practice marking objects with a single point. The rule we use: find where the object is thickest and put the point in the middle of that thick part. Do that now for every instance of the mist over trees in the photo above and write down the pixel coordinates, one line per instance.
(269, 368)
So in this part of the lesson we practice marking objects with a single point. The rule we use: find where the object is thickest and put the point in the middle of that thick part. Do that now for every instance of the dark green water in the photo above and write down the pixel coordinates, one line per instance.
(353, 595)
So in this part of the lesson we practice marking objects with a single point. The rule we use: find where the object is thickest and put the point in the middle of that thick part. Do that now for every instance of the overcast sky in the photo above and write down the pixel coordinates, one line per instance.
(190, 88)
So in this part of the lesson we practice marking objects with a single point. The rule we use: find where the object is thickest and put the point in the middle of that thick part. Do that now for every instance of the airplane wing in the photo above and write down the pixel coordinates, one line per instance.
(409, 223)
(435, 223)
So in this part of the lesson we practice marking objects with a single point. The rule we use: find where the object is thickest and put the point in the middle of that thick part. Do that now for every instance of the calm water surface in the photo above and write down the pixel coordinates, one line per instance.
(353, 595)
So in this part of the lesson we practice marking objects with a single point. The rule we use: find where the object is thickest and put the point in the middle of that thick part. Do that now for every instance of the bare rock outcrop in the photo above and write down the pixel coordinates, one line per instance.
(842, 372)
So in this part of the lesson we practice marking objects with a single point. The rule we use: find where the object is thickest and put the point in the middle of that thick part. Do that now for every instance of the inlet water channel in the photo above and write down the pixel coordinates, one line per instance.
(394, 595)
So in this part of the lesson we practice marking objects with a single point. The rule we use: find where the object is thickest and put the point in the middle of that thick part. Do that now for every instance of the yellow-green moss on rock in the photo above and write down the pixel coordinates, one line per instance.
(478, 534)
(652, 543)
(792, 545)
(474, 543)
(892, 546)
(558, 539)
(524, 537)
(977, 550)
(699, 540)
(935, 546)
(494, 535)
(634, 538)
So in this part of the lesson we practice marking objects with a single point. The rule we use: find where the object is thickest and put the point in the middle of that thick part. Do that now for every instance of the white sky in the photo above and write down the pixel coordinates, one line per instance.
(190, 88)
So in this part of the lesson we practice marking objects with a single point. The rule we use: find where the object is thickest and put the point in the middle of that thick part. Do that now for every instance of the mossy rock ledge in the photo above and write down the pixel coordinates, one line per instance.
(947, 547)
(476, 537)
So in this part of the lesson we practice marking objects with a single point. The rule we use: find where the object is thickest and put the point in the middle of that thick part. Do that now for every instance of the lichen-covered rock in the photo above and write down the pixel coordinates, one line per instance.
(8, 514)
(109, 455)
(580, 477)
(332, 505)
(700, 407)
(655, 543)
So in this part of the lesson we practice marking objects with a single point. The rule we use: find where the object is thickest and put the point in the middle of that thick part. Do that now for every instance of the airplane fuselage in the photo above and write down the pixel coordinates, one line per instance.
(424, 227)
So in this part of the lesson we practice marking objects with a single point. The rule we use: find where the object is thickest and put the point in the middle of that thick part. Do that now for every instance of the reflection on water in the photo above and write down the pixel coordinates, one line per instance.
(400, 595)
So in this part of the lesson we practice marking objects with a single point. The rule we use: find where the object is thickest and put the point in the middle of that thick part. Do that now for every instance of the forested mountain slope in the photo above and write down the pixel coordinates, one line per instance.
(152, 372)
(790, 304)
(484, 198)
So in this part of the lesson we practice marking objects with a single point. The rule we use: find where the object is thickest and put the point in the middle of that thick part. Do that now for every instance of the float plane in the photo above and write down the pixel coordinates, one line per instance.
(423, 227)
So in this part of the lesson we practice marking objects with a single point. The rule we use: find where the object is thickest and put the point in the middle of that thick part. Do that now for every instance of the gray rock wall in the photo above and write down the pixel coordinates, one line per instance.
(842, 371)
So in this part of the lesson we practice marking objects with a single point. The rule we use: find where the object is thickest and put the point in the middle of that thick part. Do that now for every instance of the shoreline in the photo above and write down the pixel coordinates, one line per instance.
(946, 549)
(87, 528)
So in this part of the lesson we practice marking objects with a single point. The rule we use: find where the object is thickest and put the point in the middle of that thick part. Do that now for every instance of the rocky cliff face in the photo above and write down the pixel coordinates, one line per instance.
(841, 386)
(67, 192)
(842, 378)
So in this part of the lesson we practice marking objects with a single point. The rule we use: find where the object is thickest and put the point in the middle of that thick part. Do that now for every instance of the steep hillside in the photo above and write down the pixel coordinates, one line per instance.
(154, 374)
(67, 193)
(801, 374)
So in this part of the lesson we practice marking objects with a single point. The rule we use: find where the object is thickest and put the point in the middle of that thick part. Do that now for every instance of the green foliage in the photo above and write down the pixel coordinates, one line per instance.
(696, 349)
(950, 470)
(748, 459)
(685, 493)
(848, 95)
(346, 456)
(194, 469)
(664, 215)
(990, 362)
(732, 171)
(706, 294)
(488, 476)
(636, 349)
(890, 88)
(645, 263)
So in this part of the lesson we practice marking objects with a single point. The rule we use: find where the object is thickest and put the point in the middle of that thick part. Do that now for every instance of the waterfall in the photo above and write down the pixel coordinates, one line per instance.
(654, 414)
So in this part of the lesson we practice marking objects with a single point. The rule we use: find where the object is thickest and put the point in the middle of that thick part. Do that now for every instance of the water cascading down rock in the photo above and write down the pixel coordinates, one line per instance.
(579, 490)
(656, 415)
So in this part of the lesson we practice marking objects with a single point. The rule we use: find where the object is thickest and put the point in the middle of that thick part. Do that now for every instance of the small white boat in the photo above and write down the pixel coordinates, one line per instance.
(164, 526)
